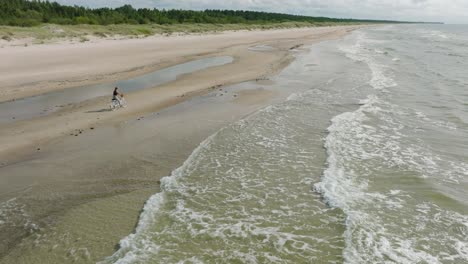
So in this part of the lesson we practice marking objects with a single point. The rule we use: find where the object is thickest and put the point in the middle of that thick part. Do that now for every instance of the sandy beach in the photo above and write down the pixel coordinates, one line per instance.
(73, 181)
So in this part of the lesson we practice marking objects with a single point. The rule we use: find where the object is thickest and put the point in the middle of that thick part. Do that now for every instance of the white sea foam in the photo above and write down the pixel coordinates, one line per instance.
(293, 97)
(136, 246)
(361, 141)
(380, 52)
(338, 188)
(434, 34)
(358, 52)
(438, 123)
(351, 144)
(15, 214)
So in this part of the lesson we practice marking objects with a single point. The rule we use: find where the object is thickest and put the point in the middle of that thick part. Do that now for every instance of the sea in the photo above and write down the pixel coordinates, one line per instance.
(366, 161)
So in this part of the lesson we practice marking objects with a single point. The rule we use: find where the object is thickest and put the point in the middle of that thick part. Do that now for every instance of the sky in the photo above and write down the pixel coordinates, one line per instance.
(448, 11)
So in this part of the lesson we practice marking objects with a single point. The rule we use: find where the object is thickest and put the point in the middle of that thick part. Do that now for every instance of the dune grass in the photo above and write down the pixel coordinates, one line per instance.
(46, 32)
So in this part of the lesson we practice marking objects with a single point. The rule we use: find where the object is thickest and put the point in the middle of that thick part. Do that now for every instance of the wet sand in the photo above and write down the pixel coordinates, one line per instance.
(72, 183)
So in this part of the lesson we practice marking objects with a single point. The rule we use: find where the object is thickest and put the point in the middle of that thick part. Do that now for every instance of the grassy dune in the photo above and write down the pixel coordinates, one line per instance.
(47, 32)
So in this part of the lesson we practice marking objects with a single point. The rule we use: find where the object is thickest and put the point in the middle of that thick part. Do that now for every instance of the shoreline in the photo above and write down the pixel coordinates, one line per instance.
(174, 117)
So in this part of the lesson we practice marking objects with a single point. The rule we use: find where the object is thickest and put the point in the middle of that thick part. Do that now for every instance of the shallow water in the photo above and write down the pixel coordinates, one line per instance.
(50, 102)
(366, 162)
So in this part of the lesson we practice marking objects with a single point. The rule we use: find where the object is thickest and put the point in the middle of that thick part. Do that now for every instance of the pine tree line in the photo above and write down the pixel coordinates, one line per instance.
(29, 13)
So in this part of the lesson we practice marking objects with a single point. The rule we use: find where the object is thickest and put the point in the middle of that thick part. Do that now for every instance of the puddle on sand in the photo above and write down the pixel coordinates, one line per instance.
(35, 106)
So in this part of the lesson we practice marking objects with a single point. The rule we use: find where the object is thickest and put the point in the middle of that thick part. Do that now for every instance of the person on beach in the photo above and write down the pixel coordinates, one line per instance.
(115, 97)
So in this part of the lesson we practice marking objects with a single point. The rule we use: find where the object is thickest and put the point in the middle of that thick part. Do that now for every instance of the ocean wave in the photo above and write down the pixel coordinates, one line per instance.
(139, 244)
(434, 34)
(358, 52)
(358, 149)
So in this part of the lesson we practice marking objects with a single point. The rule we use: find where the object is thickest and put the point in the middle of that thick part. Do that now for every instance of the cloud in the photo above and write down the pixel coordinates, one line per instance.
(453, 11)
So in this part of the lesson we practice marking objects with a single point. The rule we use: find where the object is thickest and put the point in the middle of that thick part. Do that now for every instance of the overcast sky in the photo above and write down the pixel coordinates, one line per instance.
(449, 11)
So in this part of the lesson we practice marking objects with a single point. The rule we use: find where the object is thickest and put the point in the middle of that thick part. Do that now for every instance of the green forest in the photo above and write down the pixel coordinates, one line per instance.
(26, 13)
